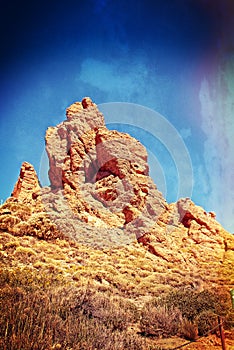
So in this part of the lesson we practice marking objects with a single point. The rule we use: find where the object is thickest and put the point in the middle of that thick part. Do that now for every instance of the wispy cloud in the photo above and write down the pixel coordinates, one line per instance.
(217, 107)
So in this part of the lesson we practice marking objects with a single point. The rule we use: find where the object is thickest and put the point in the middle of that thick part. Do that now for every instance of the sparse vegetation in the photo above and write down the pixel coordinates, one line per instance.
(192, 303)
(160, 321)
(33, 317)
(184, 312)
(18, 219)
(58, 294)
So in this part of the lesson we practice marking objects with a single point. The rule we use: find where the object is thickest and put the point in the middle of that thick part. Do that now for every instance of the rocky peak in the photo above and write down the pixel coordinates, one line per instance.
(101, 194)
(82, 120)
(27, 187)
(103, 173)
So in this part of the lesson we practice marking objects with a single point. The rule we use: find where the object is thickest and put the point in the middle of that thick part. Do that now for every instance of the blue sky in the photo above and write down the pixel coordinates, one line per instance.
(172, 56)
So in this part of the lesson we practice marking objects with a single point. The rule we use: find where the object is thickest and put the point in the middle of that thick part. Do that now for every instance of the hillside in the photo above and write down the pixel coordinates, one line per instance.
(103, 226)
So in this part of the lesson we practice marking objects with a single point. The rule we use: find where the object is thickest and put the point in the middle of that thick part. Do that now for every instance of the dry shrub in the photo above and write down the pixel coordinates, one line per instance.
(8, 222)
(34, 318)
(26, 322)
(198, 311)
(207, 322)
(114, 312)
(189, 330)
(160, 321)
(38, 225)
(30, 321)
(17, 218)
(192, 303)
(229, 321)
(22, 211)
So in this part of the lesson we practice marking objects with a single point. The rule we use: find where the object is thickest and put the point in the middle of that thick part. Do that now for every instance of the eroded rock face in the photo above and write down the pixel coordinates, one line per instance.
(27, 187)
(82, 118)
(185, 234)
(101, 194)
(103, 174)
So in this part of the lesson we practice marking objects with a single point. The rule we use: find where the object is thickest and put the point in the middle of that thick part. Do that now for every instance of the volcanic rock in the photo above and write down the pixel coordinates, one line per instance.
(103, 174)
(27, 187)
(101, 195)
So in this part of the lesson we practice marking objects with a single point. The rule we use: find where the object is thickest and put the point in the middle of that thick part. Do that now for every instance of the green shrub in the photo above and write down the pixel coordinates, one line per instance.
(17, 218)
(19, 209)
(28, 279)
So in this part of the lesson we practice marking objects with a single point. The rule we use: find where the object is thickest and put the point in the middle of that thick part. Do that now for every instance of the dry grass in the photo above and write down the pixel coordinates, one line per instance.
(54, 275)
(160, 321)
(64, 318)
(74, 291)
(131, 270)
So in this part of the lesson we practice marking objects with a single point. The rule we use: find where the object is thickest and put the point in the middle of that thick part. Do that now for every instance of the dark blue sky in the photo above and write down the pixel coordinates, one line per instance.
(168, 55)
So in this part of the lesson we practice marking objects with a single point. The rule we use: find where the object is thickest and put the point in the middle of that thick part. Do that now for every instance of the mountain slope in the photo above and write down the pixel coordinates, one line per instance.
(101, 196)
(87, 262)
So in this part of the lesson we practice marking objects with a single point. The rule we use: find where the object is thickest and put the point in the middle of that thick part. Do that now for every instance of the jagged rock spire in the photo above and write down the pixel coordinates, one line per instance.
(27, 187)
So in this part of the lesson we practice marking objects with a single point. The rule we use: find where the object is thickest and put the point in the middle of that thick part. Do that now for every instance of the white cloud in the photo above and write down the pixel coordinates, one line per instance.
(218, 125)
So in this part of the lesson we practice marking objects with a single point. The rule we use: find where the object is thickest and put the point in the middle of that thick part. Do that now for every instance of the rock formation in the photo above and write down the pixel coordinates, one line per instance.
(101, 194)
(104, 174)
(27, 187)
(99, 178)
